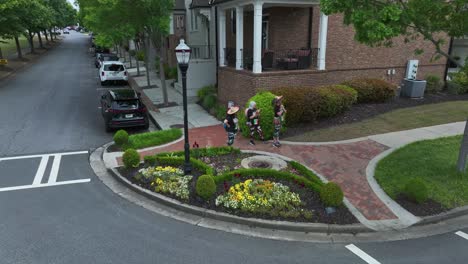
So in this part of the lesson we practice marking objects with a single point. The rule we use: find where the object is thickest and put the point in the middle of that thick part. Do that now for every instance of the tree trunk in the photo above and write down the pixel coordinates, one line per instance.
(18, 48)
(46, 37)
(40, 39)
(51, 35)
(1, 53)
(162, 75)
(31, 41)
(146, 49)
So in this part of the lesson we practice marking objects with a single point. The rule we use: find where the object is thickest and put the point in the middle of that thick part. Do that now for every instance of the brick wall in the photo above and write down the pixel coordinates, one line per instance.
(239, 86)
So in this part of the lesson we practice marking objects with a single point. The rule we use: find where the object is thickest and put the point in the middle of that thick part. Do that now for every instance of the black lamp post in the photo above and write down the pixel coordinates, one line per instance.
(183, 57)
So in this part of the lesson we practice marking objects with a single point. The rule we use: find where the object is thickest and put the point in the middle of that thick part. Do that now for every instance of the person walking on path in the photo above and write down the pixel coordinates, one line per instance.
(253, 122)
(231, 123)
(279, 109)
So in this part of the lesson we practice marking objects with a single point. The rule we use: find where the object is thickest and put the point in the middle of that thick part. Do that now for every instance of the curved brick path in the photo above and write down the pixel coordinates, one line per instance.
(344, 164)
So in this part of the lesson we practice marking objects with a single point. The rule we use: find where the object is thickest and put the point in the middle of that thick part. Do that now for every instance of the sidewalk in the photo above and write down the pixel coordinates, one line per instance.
(171, 116)
(348, 163)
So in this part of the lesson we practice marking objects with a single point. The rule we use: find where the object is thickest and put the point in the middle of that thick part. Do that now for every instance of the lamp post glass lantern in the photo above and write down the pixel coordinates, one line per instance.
(183, 57)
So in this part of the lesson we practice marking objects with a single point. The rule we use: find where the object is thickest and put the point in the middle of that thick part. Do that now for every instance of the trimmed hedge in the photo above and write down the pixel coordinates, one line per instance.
(305, 104)
(178, 161)
(131, 158)
(304, 171)
(205, 187)
(336, 99)
(202, 152)
(372, 90)
(416, 190)
(434, 84)
(331, 194)
(261, 173)
(264, 103)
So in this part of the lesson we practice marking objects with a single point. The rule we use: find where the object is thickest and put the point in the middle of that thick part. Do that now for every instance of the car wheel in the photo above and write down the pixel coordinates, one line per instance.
(146, 126)
(103, 83)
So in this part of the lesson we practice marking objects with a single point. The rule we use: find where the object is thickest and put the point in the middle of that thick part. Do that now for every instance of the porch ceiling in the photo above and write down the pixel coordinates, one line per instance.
(226, 4)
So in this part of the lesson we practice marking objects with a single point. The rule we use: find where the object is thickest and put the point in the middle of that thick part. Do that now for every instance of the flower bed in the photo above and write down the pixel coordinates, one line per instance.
(291, 194)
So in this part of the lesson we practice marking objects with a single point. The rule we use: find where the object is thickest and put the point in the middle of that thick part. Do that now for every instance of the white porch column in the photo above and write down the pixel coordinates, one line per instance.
(257, 37)
(222, 36)
(322, 45)
(239, 36)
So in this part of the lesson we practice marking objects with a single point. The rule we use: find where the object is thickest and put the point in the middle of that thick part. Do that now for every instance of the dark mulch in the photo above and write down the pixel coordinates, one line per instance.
(113, 148)
(430, 207)
(360, 112)
(310, 198)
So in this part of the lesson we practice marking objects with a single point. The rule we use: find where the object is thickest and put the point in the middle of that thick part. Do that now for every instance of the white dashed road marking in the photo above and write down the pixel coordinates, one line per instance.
(363, 255)
(52, 181)
(462, 234)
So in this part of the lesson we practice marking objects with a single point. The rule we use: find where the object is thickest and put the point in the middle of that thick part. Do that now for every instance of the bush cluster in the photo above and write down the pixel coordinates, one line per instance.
(372, 90)
(170, 72)
(416, 191)
(121, 138)
(209, 100)
(305, 104)
(140, 55)
(131, 159)
(434, 84)
(331, 194)
(205, 187)
(459, 81)
(264, 102)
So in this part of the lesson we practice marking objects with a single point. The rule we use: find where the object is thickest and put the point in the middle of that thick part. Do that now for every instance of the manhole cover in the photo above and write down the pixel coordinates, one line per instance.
(260, 164)
(264, 162)
(177, 126)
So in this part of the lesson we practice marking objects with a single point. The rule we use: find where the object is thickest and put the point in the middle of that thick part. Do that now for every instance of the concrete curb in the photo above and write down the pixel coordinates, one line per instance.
(206, 213)
(454, 213)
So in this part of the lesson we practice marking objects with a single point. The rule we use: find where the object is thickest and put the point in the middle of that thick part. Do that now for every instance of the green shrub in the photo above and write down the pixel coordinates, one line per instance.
(155, 138)
(209, 101)
(304, 171)
(434, 84)
(336, 99)
(131, 158)
(205, 187)
(140, 55)
(264, 102)
(203, 152)
(220, 111)
(121, 138)
(302, 103)
(331, 195)
(178, 161)
(461, 80)
(150, 160)
(455, 88)
(372, 90)
(416, 191)
(170, 72)
(205, 91)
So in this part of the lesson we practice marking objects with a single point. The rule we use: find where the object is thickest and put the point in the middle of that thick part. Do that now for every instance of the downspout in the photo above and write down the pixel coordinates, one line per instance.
(217, 43)
(448, 61)
(309, 40)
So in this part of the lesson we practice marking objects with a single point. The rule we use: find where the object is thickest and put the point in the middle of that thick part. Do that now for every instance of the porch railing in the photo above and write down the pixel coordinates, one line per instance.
(202, 52)
(274, 60)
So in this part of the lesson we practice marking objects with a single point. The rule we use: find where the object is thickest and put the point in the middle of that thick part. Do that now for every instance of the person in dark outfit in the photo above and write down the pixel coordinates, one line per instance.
(231, 124)
(278, 119)
(253, 122)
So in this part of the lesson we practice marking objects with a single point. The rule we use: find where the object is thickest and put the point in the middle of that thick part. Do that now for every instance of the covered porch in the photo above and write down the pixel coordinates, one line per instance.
(271, 35)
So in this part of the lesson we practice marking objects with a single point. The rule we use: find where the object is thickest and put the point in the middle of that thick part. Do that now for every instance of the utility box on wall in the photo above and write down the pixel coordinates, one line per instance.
(412, 87)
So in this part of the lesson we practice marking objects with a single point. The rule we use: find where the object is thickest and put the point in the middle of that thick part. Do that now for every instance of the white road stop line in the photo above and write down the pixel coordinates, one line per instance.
(52, 181)
(462, 234)
(363, 255)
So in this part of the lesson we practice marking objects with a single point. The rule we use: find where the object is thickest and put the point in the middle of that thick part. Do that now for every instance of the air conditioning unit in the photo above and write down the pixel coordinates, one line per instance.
(412, 87)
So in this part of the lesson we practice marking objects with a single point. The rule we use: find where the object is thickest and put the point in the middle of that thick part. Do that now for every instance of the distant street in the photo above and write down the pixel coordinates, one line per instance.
(55, 210)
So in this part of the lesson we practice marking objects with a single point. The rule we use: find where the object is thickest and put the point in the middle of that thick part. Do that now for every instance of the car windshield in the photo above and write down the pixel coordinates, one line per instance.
(126, 104)
(113, 67)
(111, 58)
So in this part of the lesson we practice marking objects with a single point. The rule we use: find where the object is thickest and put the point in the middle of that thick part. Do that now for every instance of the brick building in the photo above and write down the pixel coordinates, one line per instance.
(265, 44)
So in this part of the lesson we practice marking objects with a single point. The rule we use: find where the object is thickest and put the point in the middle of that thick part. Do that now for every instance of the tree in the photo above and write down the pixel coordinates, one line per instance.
(378, 22)
(10, 26)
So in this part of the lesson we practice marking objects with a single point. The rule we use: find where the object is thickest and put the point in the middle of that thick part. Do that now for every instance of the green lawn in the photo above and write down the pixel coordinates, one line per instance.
(434, 162)
(151, 139)
(402, 119)
(9, 47)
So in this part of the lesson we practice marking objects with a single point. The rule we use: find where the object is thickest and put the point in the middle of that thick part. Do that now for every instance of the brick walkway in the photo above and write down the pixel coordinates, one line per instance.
(344, 164)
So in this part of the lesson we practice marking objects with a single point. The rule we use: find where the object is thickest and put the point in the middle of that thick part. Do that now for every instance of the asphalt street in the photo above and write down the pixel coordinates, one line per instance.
(54, 210)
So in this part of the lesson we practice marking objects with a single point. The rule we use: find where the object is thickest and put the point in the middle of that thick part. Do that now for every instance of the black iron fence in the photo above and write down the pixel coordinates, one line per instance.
(283, 59)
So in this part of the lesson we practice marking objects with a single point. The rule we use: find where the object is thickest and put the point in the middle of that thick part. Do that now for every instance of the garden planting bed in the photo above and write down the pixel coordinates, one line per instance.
(273, 197)
(427, 208)
(362, 111)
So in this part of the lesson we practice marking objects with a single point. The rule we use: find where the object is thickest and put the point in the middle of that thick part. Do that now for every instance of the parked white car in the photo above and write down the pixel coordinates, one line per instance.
(113, 71)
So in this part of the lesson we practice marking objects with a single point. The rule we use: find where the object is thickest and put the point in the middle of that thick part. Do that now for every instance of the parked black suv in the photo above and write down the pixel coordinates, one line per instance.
(123, 108)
